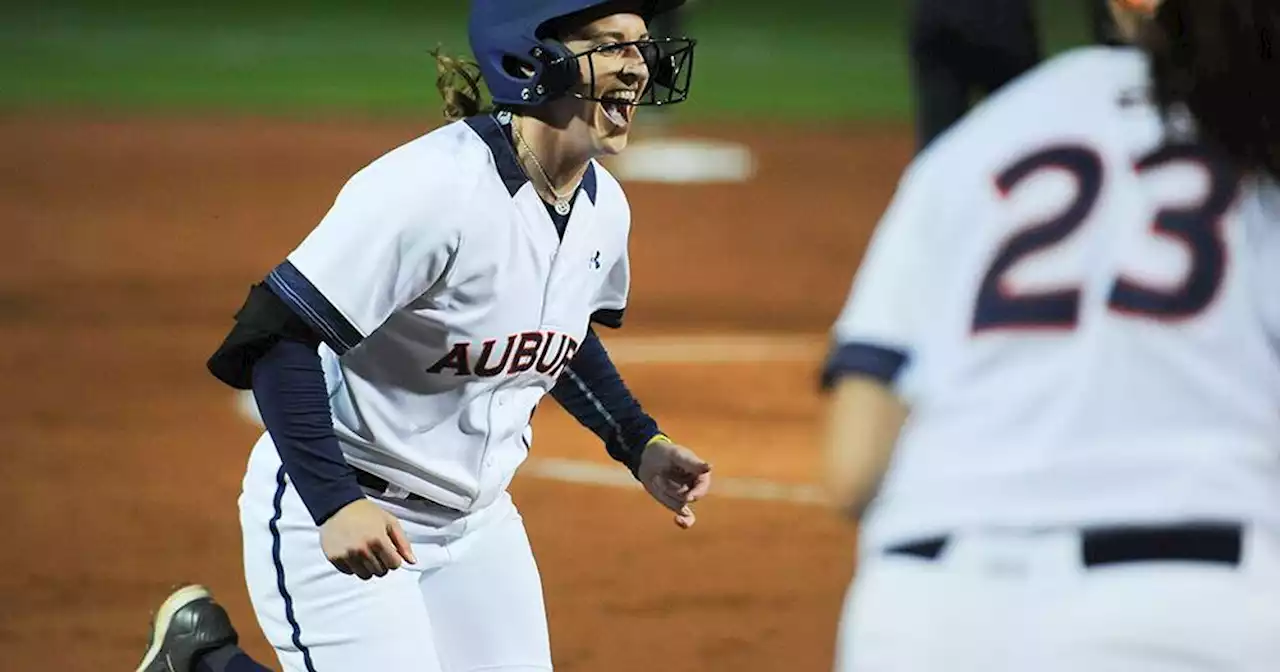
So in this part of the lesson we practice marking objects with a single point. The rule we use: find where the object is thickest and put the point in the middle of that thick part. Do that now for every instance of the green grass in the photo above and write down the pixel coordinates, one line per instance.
(757, 59)
(269, 61)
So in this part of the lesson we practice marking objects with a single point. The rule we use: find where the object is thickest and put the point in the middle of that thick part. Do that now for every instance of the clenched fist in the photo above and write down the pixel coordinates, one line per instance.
(364, 540)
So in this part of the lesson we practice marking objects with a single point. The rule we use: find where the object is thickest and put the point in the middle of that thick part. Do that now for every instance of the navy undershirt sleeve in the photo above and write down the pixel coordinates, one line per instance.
(289, 386)
(592, 391)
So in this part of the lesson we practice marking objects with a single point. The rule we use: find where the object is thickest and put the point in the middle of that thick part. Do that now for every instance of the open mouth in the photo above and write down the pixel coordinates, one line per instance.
(618, 106)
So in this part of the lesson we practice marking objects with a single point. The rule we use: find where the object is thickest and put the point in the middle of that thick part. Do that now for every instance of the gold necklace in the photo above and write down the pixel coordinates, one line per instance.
(562, 204)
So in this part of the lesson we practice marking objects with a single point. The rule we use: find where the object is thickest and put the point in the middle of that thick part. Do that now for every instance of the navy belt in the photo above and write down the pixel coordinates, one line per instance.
(1216, 543)
(381, 485)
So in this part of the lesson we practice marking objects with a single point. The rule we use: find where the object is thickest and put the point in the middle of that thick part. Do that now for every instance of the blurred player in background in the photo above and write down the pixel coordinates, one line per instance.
(965, 49)
(1056, 404)
(1103, 24)
(962, 48)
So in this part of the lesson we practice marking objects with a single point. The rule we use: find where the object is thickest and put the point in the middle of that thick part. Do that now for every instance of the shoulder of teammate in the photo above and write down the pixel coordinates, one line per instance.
(1076, 77)
(1066, 97)
(878, 328)
(389, 236)
(930, 218)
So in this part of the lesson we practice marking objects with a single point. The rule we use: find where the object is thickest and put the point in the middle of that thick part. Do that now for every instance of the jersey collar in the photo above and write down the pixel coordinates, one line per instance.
(494, 130)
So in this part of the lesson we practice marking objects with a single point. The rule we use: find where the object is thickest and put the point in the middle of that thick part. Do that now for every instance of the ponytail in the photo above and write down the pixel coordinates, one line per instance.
(458, 81)
(1217, 60)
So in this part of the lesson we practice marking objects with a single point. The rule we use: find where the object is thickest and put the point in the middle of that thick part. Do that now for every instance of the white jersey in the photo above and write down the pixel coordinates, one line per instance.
(450, 305)
(1082, 312)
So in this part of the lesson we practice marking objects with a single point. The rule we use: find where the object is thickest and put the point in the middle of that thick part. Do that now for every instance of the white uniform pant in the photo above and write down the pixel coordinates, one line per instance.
(472, 602)
(997, 601)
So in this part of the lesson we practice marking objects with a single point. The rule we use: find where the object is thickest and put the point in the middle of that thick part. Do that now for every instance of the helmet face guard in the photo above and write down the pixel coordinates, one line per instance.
(669, 61)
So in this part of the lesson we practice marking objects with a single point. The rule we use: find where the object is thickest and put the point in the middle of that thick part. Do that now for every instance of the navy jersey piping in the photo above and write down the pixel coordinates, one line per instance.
(494, 130)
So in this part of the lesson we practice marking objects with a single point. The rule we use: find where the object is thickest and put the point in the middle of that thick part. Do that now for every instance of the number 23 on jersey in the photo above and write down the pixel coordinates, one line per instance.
(1197, 227)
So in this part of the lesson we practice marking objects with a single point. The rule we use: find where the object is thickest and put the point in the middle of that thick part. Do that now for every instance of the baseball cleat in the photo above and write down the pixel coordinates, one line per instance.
(188, 624)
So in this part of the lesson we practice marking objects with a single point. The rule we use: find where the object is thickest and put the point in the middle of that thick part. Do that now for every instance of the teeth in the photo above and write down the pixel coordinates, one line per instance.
(615, 105)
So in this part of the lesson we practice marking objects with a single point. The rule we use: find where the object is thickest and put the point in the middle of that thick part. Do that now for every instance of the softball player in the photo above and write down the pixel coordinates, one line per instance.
(398, 354)
(1056, 381)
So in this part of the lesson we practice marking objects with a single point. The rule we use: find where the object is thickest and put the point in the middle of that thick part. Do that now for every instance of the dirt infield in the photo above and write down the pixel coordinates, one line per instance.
(130, 244)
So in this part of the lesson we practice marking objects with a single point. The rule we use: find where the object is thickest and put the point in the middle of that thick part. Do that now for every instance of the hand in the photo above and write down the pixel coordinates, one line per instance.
(364, 540)
(674, 476)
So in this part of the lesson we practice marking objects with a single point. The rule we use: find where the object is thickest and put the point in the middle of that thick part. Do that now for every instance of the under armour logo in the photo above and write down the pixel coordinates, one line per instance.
(595, 261)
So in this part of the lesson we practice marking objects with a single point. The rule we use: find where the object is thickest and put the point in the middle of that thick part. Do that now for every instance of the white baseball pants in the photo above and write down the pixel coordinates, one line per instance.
(473, 602)
(1020, 601)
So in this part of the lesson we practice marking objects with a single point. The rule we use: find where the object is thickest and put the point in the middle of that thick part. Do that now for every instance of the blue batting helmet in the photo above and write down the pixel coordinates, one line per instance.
(520, 64)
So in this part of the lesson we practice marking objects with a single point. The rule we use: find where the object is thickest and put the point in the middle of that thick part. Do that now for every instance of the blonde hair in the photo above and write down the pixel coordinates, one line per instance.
(458, 81)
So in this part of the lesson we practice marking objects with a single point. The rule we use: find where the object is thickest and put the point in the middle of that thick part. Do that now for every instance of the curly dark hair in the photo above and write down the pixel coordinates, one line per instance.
(1217, 58)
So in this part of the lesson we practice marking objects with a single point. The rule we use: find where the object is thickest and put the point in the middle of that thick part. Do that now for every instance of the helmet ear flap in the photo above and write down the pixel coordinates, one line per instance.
(561, 71)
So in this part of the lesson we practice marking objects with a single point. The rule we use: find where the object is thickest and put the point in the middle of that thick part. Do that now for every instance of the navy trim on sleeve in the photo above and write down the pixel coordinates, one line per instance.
(304, 299)
(609, 317)
(592, 391)
(883, 364)
(289, 387)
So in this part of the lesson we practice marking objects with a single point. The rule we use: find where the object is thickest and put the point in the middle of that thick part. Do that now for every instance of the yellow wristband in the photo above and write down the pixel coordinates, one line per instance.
(656, 438)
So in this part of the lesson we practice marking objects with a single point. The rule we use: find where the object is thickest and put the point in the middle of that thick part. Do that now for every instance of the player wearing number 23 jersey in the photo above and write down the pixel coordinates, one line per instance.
(1060, 357)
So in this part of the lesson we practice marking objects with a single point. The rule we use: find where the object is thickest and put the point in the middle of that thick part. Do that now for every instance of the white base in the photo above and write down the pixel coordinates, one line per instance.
(684, 161)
